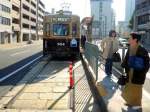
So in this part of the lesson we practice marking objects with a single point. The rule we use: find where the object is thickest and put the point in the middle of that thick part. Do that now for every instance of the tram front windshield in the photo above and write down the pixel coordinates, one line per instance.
(60, 29)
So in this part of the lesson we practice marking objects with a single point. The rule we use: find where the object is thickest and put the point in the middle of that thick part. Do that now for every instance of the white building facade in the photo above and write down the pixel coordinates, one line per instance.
(5, 21)
(21, 20)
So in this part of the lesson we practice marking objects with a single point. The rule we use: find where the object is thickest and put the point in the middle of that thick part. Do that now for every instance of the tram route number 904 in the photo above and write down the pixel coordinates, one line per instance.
(60, 44)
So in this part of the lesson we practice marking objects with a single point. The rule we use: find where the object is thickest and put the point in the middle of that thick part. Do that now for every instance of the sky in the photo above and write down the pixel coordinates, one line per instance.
(82, 7)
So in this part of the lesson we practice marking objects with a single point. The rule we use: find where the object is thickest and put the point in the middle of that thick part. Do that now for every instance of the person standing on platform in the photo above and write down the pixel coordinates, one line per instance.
(109, 46)
(136, 64)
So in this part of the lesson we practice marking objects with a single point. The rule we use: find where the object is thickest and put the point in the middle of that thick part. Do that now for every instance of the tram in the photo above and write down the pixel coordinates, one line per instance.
(61, 34)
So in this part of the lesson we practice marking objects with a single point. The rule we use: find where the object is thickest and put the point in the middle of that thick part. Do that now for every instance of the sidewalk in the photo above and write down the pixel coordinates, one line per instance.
(113, 99)
(19, 45)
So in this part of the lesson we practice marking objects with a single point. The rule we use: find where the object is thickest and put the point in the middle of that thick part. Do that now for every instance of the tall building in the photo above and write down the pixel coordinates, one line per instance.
(102, 22)
(129, 9)
(5, 21)
(142, 20)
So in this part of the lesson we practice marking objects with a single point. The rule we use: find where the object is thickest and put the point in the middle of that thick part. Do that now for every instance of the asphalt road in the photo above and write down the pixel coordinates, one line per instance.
(14, 64)
(14, 55)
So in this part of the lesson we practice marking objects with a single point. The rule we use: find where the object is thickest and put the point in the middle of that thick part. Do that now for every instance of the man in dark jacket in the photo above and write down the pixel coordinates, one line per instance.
(136, 64)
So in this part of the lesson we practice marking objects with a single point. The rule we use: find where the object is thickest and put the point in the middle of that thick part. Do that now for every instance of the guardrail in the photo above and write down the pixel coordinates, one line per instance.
(94, 57)
(92, 54)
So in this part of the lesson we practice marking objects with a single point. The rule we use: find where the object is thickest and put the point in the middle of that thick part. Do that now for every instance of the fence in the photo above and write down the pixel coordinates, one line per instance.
(94, 56)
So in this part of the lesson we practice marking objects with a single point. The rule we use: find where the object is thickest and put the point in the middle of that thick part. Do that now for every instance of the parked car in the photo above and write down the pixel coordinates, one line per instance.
(123, 42)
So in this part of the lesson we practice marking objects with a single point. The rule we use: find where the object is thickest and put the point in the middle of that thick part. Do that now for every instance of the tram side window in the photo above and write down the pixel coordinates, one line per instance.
(74, 29)
(60, 29)
(47, 29)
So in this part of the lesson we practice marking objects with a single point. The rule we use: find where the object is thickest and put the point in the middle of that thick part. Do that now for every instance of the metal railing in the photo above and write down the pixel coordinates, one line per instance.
(92, 54)
(94, 57)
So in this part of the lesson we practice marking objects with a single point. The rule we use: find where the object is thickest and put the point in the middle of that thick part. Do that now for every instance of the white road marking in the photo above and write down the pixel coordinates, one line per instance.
(17, 53)
(7, 76)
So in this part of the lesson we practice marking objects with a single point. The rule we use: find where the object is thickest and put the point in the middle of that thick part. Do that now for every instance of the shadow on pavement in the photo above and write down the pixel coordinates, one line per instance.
(110, 86)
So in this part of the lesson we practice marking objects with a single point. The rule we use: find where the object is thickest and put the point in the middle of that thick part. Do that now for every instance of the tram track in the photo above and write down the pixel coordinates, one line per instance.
(8, 105)
(48, 81)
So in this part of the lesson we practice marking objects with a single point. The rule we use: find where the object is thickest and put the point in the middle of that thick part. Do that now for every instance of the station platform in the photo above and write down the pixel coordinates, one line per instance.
(45, 88)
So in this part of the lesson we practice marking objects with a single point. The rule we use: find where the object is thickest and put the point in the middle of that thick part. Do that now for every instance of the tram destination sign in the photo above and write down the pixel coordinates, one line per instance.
(60, 19)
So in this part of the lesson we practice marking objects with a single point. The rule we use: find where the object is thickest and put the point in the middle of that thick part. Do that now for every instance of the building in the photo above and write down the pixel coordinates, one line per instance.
(32, 14)
(21, 20)
(129, 9)
(5, 21)
(40, 17)
(102, 22)
(123, 29)
(15, 14)
(142, 20)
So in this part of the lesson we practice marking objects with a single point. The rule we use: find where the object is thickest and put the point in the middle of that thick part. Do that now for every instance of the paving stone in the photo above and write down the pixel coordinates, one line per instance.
(5, 100)
(37, 88)
(46, 96)
(62, 80)
(10, 110)
(60, 89)
(57, 104)
(62, 84)
(29, 104)
(29, 96)
(62, 96)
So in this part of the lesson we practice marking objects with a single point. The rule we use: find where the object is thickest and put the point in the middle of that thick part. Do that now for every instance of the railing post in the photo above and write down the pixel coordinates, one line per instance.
(123, 51)
(96, 68)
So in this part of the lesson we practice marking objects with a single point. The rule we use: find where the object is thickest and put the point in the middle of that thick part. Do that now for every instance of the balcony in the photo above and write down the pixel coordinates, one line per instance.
(26, 3)
(40, 32)
(32, 23)
(40, 19)
(41, 7)
(41, 13)
(16, 3)
(15, 14)
(25, 21)
(34, 1)
(25, 12)
(33, 31)
(16, 27)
